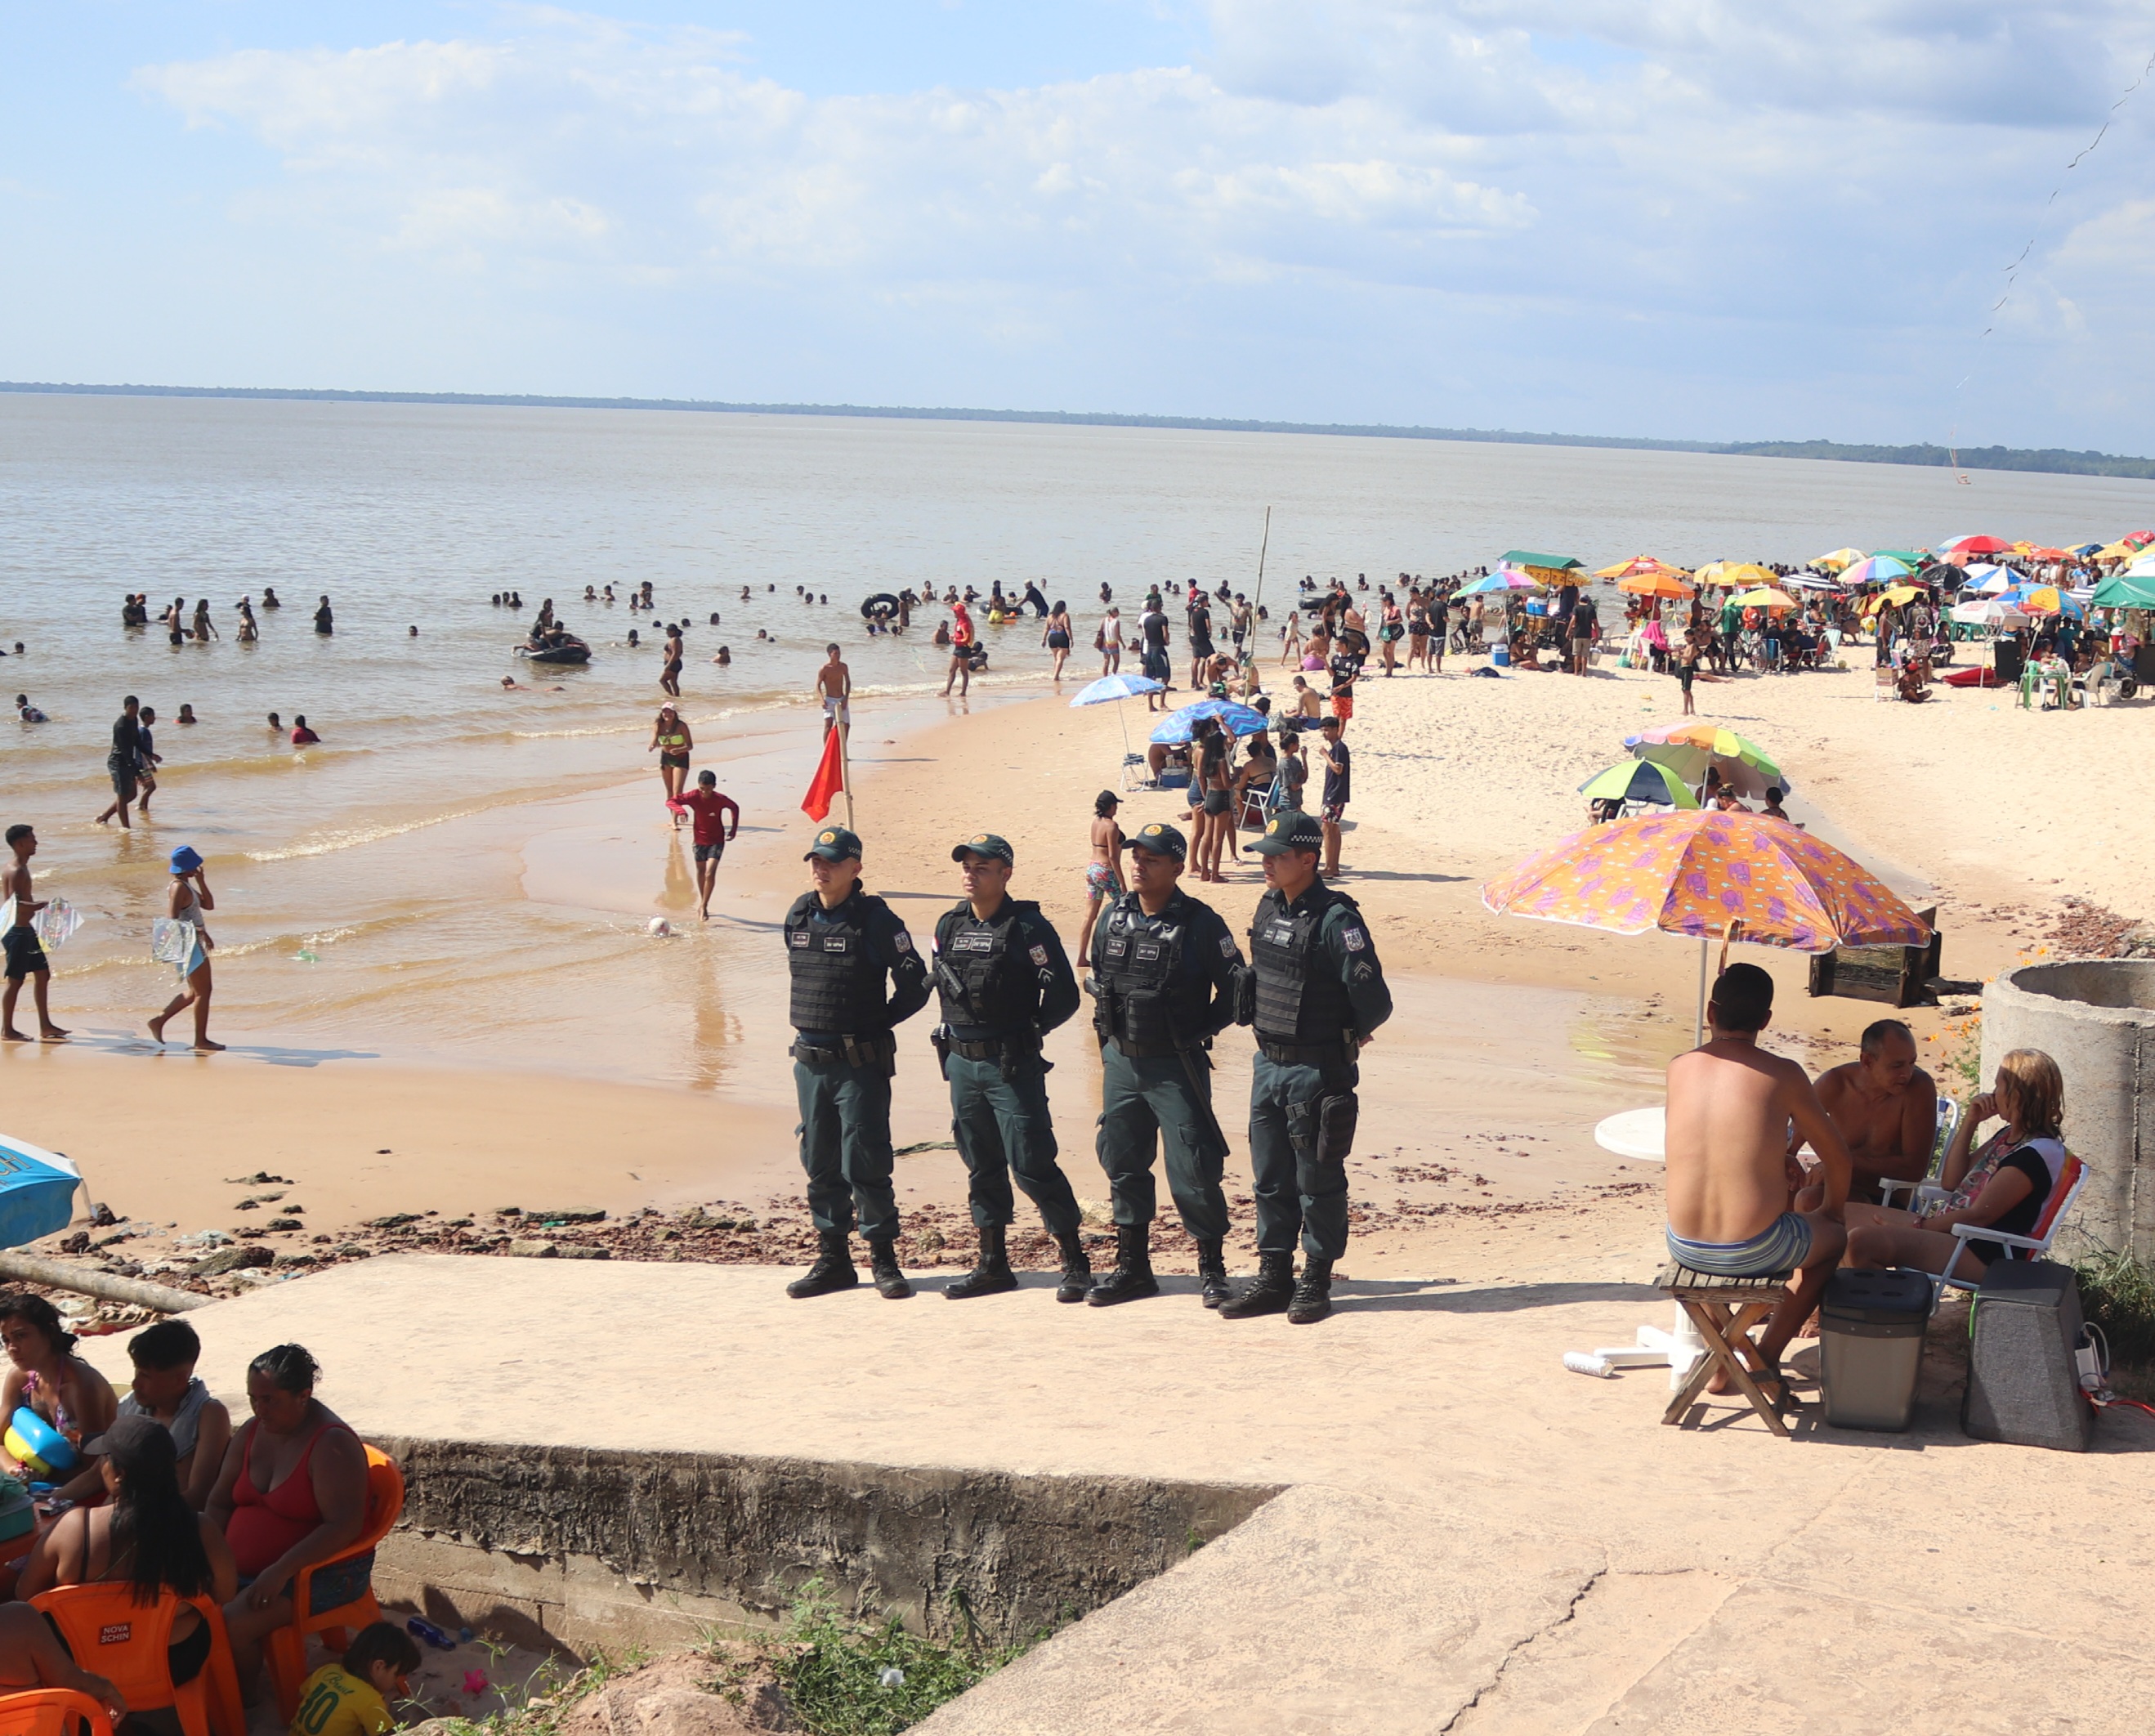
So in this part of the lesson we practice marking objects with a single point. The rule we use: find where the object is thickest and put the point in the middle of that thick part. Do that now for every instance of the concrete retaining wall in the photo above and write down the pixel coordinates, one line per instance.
(573, 1547)
(2095, 1017)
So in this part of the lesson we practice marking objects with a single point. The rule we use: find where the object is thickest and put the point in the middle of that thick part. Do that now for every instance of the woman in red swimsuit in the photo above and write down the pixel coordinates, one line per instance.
(293, 1492)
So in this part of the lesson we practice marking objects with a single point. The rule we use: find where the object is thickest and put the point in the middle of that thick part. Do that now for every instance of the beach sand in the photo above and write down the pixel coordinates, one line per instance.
(1512, 1037)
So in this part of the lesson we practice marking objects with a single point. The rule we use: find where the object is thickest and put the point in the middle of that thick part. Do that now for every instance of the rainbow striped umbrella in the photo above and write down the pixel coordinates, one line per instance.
(1877, 570)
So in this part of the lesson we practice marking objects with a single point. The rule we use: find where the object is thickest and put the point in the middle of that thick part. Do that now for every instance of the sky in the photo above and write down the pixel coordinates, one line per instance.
(1695, 219)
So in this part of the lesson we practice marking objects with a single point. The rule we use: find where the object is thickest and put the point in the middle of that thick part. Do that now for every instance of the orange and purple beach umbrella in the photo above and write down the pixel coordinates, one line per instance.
(1709, 875)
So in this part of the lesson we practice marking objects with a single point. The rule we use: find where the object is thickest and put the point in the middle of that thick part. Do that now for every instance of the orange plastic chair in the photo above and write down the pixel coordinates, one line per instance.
(286, 1647)
(114, 1636)
(51, 1712)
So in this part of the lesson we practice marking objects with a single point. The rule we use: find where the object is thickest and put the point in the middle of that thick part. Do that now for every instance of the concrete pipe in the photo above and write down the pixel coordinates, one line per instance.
(2095, 1018)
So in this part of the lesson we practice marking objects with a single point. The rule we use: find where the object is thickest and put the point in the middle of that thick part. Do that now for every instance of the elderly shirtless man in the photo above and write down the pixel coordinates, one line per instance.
(1885, 1107)
(1730, 1178)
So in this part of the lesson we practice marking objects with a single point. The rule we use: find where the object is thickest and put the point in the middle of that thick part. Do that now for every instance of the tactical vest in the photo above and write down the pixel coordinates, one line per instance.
(1144, 1000)
(1298, 1000)
(981, 987)
(838, 983)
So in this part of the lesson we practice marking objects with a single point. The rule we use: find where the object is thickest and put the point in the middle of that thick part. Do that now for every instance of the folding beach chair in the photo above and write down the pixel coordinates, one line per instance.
(2036, 1247)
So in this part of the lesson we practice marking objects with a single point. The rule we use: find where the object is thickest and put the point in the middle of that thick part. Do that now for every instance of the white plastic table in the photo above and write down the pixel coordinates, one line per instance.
(1641, 1134)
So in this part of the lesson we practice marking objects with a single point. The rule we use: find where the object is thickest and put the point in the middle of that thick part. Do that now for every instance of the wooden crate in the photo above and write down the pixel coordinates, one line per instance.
(1898, 976)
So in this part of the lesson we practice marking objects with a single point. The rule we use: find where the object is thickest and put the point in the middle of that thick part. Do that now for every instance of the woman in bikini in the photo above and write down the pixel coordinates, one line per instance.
(669, 677)
(292, 1494)
(1103, 874)
(670, 740)
(1391, 628)
(147, 1535)
(47, 1376)
(1056, 636)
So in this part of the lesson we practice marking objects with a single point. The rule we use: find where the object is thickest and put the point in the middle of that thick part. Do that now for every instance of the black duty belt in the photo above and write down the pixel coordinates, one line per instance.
(1147, 1051)
(1301, 1054)
(875, 1047)
(991, 1048)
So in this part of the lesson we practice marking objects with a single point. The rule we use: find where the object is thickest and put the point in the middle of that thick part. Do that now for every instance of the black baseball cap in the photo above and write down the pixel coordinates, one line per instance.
(1162, 839)
(985, 843)
(1290, 829)
(834, 844)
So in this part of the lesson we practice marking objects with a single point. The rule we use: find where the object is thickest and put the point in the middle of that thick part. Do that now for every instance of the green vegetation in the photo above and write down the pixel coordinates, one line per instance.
(2117, 1293)
(842, 1678)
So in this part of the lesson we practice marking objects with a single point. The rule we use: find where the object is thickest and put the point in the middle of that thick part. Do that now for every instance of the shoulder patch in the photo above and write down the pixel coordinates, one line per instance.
(1227, 946)
(1039, 955)
(1354, 938)
(902, 941)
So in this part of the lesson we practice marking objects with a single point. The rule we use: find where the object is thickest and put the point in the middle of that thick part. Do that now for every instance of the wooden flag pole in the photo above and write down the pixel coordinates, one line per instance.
(844, 767)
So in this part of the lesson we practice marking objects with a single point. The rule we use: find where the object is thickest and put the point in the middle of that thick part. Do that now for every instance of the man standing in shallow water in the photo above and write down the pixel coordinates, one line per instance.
(1731, 1181)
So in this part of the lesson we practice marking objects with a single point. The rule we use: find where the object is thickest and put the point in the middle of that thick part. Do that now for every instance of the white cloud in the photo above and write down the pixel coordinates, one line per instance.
(1425, 211)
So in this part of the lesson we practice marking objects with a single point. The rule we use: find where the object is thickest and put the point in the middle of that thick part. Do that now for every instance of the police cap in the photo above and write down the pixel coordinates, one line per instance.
(1162, 840)
(1290, 829)
(985, 843)
(834, 844)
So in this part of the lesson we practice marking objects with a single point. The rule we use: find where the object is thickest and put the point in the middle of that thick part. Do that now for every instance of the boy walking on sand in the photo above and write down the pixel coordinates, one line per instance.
(26, 956)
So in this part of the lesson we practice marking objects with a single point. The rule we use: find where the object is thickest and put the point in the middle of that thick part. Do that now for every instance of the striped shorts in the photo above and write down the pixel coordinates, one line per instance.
(1782, 1246)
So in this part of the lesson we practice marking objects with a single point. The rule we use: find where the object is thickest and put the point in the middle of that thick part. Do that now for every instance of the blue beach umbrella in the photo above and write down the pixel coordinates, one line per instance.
(1236, 720)
(1110, 688)
(37, 1191)
(1504, 578)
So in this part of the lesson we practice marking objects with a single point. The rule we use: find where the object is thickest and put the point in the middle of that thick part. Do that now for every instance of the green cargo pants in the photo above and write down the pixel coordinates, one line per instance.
(1154, 1095)
(845, 1145)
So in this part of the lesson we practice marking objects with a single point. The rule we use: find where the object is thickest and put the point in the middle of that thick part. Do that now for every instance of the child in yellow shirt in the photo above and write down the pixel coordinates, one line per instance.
(352, 1698)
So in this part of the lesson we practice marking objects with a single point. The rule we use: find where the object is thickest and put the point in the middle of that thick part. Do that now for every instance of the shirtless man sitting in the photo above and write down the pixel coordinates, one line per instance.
(1885, 1107)
(1729, 1174)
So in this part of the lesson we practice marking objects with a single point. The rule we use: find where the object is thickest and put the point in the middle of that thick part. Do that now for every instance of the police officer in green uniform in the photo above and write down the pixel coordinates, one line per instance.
(1005, 982)
(1319, 993)
(1164, 971)
(840, 945)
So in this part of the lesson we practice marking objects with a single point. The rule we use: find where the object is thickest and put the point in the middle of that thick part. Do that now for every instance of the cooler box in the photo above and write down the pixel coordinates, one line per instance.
(2023, 1382)
(1870, 1346)
(2007, 658)
(1501, 656)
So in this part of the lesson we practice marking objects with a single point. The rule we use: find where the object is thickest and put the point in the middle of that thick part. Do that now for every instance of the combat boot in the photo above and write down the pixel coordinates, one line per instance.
(991, 1275)
(882, 1266)
(1132, 1276)
(833, 1269)
(1269, 1292)
(1212, 1273)
(1076, 1269)
(1312, 1296)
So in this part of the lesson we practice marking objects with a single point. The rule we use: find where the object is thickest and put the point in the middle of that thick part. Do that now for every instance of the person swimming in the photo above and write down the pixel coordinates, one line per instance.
(725, 656)
(186, 714)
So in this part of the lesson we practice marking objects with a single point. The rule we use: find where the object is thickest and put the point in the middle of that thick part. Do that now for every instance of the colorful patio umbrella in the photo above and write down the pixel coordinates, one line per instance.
(2048, 554)
(1894, 594)
(1767, 597)
(1876, 569)
(1709, 874)
(1909, 558)
(1734, 574)
(1688, 748)
(1638, 567)
(1990, 612)
(2043, 600)
(1639, 780)
(1656, 584)
(1992, 580)
(1505, 578)
(1838, 559)
(1966, 545)
(2127, 590)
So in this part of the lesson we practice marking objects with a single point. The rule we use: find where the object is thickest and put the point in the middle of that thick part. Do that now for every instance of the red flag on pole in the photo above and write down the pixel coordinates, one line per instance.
(829, 780)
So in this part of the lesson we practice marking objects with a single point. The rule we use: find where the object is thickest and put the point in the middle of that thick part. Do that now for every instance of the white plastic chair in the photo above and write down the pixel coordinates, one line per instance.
(2017, 1248)
(1923, 1192)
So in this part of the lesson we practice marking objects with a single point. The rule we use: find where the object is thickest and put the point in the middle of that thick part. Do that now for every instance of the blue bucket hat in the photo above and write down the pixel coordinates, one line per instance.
(186, 860)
